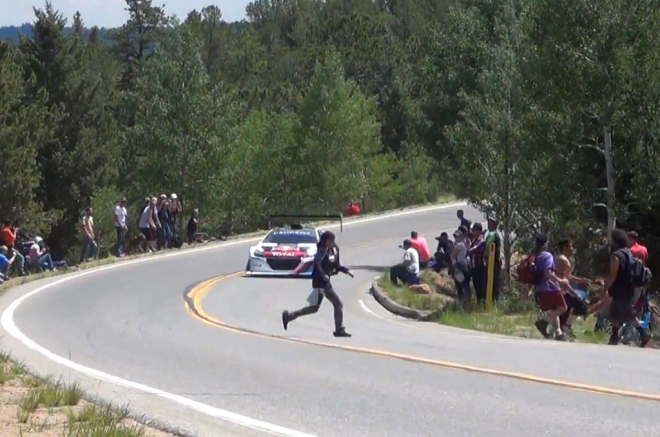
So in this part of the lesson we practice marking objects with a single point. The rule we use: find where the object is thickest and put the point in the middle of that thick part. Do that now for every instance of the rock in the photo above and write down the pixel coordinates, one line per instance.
(444, 285)
(420, 289)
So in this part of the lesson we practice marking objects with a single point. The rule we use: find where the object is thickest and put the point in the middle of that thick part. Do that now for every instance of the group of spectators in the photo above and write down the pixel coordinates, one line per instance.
(466, 258)
(156, 221)
(622, 291)
(14, 262)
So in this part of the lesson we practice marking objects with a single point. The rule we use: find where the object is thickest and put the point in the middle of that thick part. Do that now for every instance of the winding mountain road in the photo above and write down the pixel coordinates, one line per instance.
(191, 343)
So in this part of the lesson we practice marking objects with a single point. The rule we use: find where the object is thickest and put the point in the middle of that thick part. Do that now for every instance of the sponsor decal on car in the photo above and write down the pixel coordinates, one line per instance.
(285, 252)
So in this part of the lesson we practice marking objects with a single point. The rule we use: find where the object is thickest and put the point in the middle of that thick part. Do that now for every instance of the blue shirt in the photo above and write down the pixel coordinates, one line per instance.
(545, 261)
(4, 262)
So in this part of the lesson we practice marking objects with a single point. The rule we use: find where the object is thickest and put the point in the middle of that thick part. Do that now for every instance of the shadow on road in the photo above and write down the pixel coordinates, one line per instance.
(378, 269)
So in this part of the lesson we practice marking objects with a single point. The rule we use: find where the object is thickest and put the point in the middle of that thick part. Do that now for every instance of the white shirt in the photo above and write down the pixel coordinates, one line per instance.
(120, 214)
(411, 256)
(35, 252)
(144, 218)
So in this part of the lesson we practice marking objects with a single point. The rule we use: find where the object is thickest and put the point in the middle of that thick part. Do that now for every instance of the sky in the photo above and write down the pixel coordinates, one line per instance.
(111, 13)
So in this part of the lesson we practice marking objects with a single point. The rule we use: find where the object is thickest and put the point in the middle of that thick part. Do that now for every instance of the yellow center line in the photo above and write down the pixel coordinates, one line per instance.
(194, 305)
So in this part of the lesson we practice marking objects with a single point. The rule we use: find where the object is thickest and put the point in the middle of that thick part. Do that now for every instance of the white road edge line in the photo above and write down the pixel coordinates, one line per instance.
(9, 325)
(364, 307)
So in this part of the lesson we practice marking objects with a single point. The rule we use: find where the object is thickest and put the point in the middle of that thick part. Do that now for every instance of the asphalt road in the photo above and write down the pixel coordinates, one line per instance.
(130, 322)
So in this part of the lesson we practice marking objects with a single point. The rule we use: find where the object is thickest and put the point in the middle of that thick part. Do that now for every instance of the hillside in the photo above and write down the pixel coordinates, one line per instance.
(13, 32)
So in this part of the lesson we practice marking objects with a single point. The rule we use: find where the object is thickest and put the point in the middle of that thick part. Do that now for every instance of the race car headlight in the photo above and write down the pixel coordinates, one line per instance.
(258, 252)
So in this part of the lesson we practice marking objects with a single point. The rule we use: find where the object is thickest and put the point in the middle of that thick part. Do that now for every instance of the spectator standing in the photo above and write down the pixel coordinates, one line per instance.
(90, 246)
(164, 219)
(422, 247)
(564, 269)
(147, 224)
(460, 214)
(478, 272)
(548, 292)
(638, 250)
(8, 239)
(121, 217)
(408, 271)
(621, 289)
(460, 266)
(493, 237)
(175, 210)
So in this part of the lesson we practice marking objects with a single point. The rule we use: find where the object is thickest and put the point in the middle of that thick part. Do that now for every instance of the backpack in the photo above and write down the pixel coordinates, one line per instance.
(528, 273)
(638, 274)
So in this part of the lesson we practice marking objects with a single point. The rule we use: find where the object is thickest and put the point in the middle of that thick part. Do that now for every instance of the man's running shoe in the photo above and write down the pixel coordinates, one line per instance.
(561, 336)
(341, 333)
(285, 319)
(542, 326)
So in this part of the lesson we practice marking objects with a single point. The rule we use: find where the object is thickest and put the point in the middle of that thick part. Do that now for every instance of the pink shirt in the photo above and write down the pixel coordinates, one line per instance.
(640, 252)
(422, 248)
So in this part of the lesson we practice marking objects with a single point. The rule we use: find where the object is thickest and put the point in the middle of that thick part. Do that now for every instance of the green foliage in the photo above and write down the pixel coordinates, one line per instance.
(310, 104)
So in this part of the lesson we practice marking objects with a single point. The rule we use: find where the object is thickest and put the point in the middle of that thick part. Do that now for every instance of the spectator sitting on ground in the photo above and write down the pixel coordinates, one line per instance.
(443, 252)
(548, 291)
(6, 261)
(422, 247)
(191, 230)
(408, 271)
(38, 258)
(8, 238)
(353, 209)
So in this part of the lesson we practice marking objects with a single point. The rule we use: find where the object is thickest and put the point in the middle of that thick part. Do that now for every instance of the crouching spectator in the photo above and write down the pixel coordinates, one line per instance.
(6, 261)
(443, 252)
(422, 247)
(38, 258)
(408, 271)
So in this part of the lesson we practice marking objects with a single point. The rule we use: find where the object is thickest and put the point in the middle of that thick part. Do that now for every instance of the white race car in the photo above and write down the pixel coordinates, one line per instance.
(284, 249)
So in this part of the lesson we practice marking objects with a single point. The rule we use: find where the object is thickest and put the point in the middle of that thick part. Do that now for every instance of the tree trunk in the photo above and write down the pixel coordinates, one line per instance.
(609, 169)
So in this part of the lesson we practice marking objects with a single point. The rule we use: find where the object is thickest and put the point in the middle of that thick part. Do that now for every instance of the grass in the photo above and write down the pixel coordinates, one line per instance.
(513, 315)
(44, 407)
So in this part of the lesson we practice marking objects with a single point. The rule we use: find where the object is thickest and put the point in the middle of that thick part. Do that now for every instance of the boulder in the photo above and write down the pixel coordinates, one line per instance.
(420, 289)
(444, 284)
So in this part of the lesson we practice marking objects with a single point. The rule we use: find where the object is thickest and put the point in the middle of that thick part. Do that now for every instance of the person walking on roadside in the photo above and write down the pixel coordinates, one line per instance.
(121, 215)
(620, 285)
(564, 270)
(460, 214)
(89, 247)
(548, 290)
(638, 250)
(326, 264)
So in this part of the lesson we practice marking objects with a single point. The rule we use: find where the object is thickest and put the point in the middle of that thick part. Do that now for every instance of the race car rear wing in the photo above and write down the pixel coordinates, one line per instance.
(299, 219)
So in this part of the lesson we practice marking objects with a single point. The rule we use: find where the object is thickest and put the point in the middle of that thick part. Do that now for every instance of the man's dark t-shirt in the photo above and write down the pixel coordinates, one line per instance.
(622, 288)
(467, 223)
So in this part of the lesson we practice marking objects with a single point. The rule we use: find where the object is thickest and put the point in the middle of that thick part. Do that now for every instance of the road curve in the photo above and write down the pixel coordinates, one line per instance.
(128, 333)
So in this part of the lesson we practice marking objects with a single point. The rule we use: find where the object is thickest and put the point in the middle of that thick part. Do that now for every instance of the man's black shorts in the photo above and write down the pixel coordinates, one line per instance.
(621, 310)
(577, 306)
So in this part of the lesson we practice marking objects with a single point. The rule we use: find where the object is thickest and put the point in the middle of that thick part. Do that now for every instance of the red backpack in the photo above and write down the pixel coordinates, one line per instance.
(528, 274)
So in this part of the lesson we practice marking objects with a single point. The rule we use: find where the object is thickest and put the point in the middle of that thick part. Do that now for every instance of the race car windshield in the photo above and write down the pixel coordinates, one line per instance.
(291, 237)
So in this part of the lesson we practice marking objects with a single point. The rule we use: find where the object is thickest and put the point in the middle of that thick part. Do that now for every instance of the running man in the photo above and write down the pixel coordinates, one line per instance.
(326, 264)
